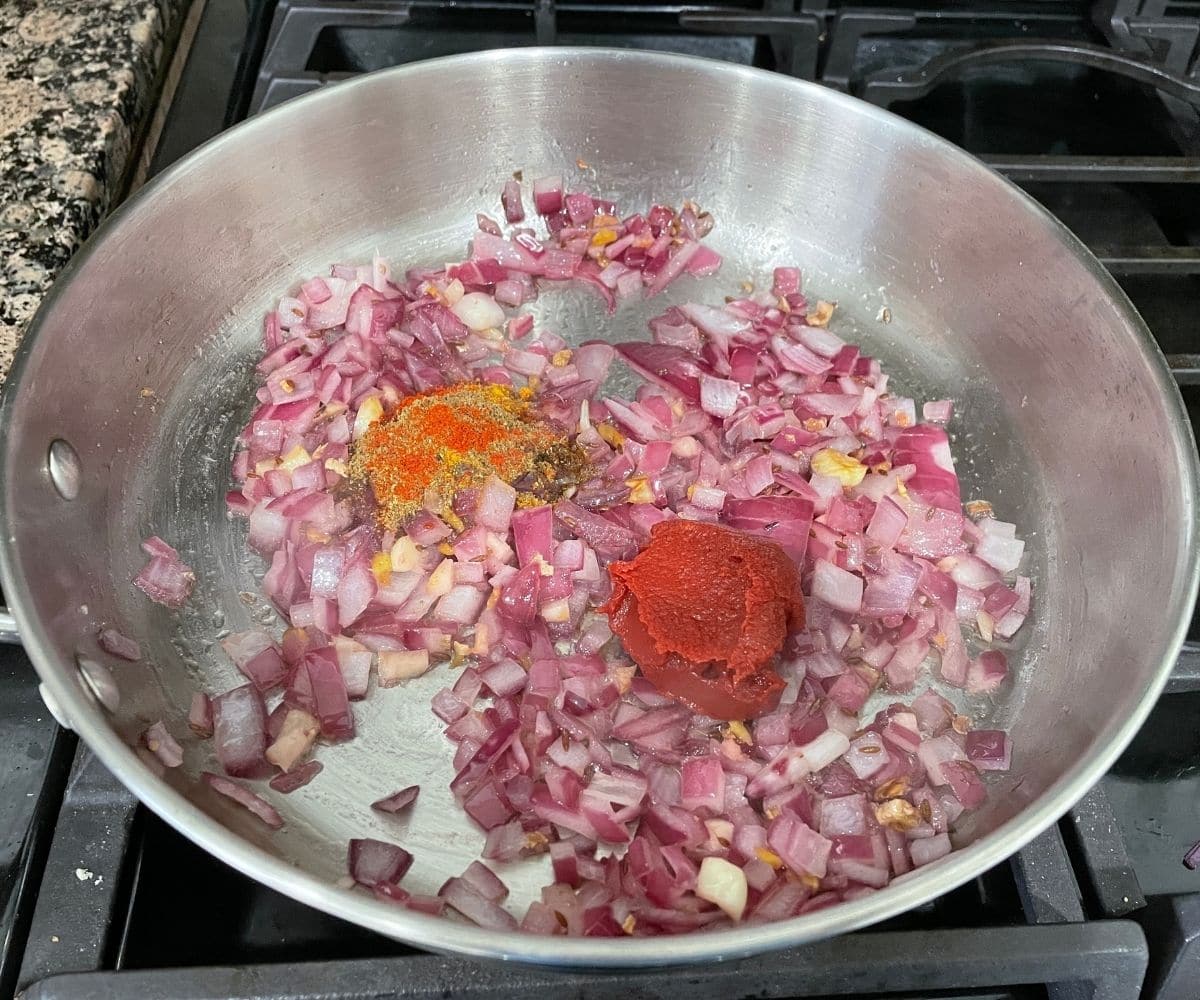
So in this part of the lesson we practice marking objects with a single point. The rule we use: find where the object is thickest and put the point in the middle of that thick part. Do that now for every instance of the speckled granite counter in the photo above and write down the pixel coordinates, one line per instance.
(78, 81)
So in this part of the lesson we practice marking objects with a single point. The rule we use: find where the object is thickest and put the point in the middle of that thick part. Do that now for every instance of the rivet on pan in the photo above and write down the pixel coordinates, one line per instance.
(100, 682)
(65, 471)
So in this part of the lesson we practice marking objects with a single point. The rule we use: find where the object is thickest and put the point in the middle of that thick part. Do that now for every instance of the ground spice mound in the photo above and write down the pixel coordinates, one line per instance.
(439, 442)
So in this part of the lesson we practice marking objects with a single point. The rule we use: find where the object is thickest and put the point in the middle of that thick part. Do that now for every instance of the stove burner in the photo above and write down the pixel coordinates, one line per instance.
(126, 908)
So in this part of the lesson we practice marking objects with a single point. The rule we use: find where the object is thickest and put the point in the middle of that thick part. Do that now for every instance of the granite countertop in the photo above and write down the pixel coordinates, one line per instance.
(79, 80)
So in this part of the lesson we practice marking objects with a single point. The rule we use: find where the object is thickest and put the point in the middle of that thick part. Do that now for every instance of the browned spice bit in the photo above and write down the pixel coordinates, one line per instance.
(926, 811)
(562, 921)
(582, 164)
(536, 841)
(821, 314)
(566, 740)
(978, 508)
(869, 749)
(610, 435)
(629, 923)
(961, 725)
(892, 789)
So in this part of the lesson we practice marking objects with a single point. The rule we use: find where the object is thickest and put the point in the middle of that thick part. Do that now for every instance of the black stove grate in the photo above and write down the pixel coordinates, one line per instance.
(145, 914)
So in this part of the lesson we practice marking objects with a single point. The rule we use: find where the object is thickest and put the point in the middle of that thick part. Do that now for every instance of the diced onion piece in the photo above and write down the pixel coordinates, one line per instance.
(247, 799)
(163, 745)
(119, 645)
(837, 587)
(397, 801)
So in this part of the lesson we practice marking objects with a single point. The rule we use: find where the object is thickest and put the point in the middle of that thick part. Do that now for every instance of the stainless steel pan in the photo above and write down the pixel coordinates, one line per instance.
(1068, 422)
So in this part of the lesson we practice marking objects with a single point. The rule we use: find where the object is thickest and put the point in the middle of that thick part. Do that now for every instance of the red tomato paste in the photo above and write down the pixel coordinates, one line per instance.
(704, 610)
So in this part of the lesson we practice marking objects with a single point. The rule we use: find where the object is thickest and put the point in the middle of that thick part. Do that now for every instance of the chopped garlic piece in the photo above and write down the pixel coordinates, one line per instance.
(767, 856)
(846, 470)
(740, 733)
(381, 566)
(723, 883)
(368, 413)
(441, 579)
(556, 611)
(295, 458)
(897, 814)
(405, 555)
(396, 665)
(610, 435)
(639, 490)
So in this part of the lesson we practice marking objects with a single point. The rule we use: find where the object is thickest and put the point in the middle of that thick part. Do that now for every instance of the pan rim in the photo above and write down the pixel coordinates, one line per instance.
(437, 934)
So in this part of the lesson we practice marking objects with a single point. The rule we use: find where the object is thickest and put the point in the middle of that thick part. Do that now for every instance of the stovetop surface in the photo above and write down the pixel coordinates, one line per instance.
(91, 884)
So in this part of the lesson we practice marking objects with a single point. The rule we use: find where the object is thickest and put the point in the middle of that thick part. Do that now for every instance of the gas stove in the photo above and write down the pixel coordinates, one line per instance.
(1092, 108)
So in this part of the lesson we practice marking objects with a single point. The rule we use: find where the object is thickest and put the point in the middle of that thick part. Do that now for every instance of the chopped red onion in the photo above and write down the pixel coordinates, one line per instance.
(558, 744)
(547, 198)
(289, 781)
(478, 909)
(162, 744)
(485, 882)
(376, 862)
(119, 645)
(987, 672)
(510, 198)
(242, 795)
(838, 588)
(240, 731)
(200, 715)
(929, 849)
(802, 849)
(165, 579)
(397, 801)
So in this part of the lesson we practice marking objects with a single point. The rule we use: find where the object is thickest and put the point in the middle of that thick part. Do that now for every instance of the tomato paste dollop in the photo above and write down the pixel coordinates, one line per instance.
(704, 610)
